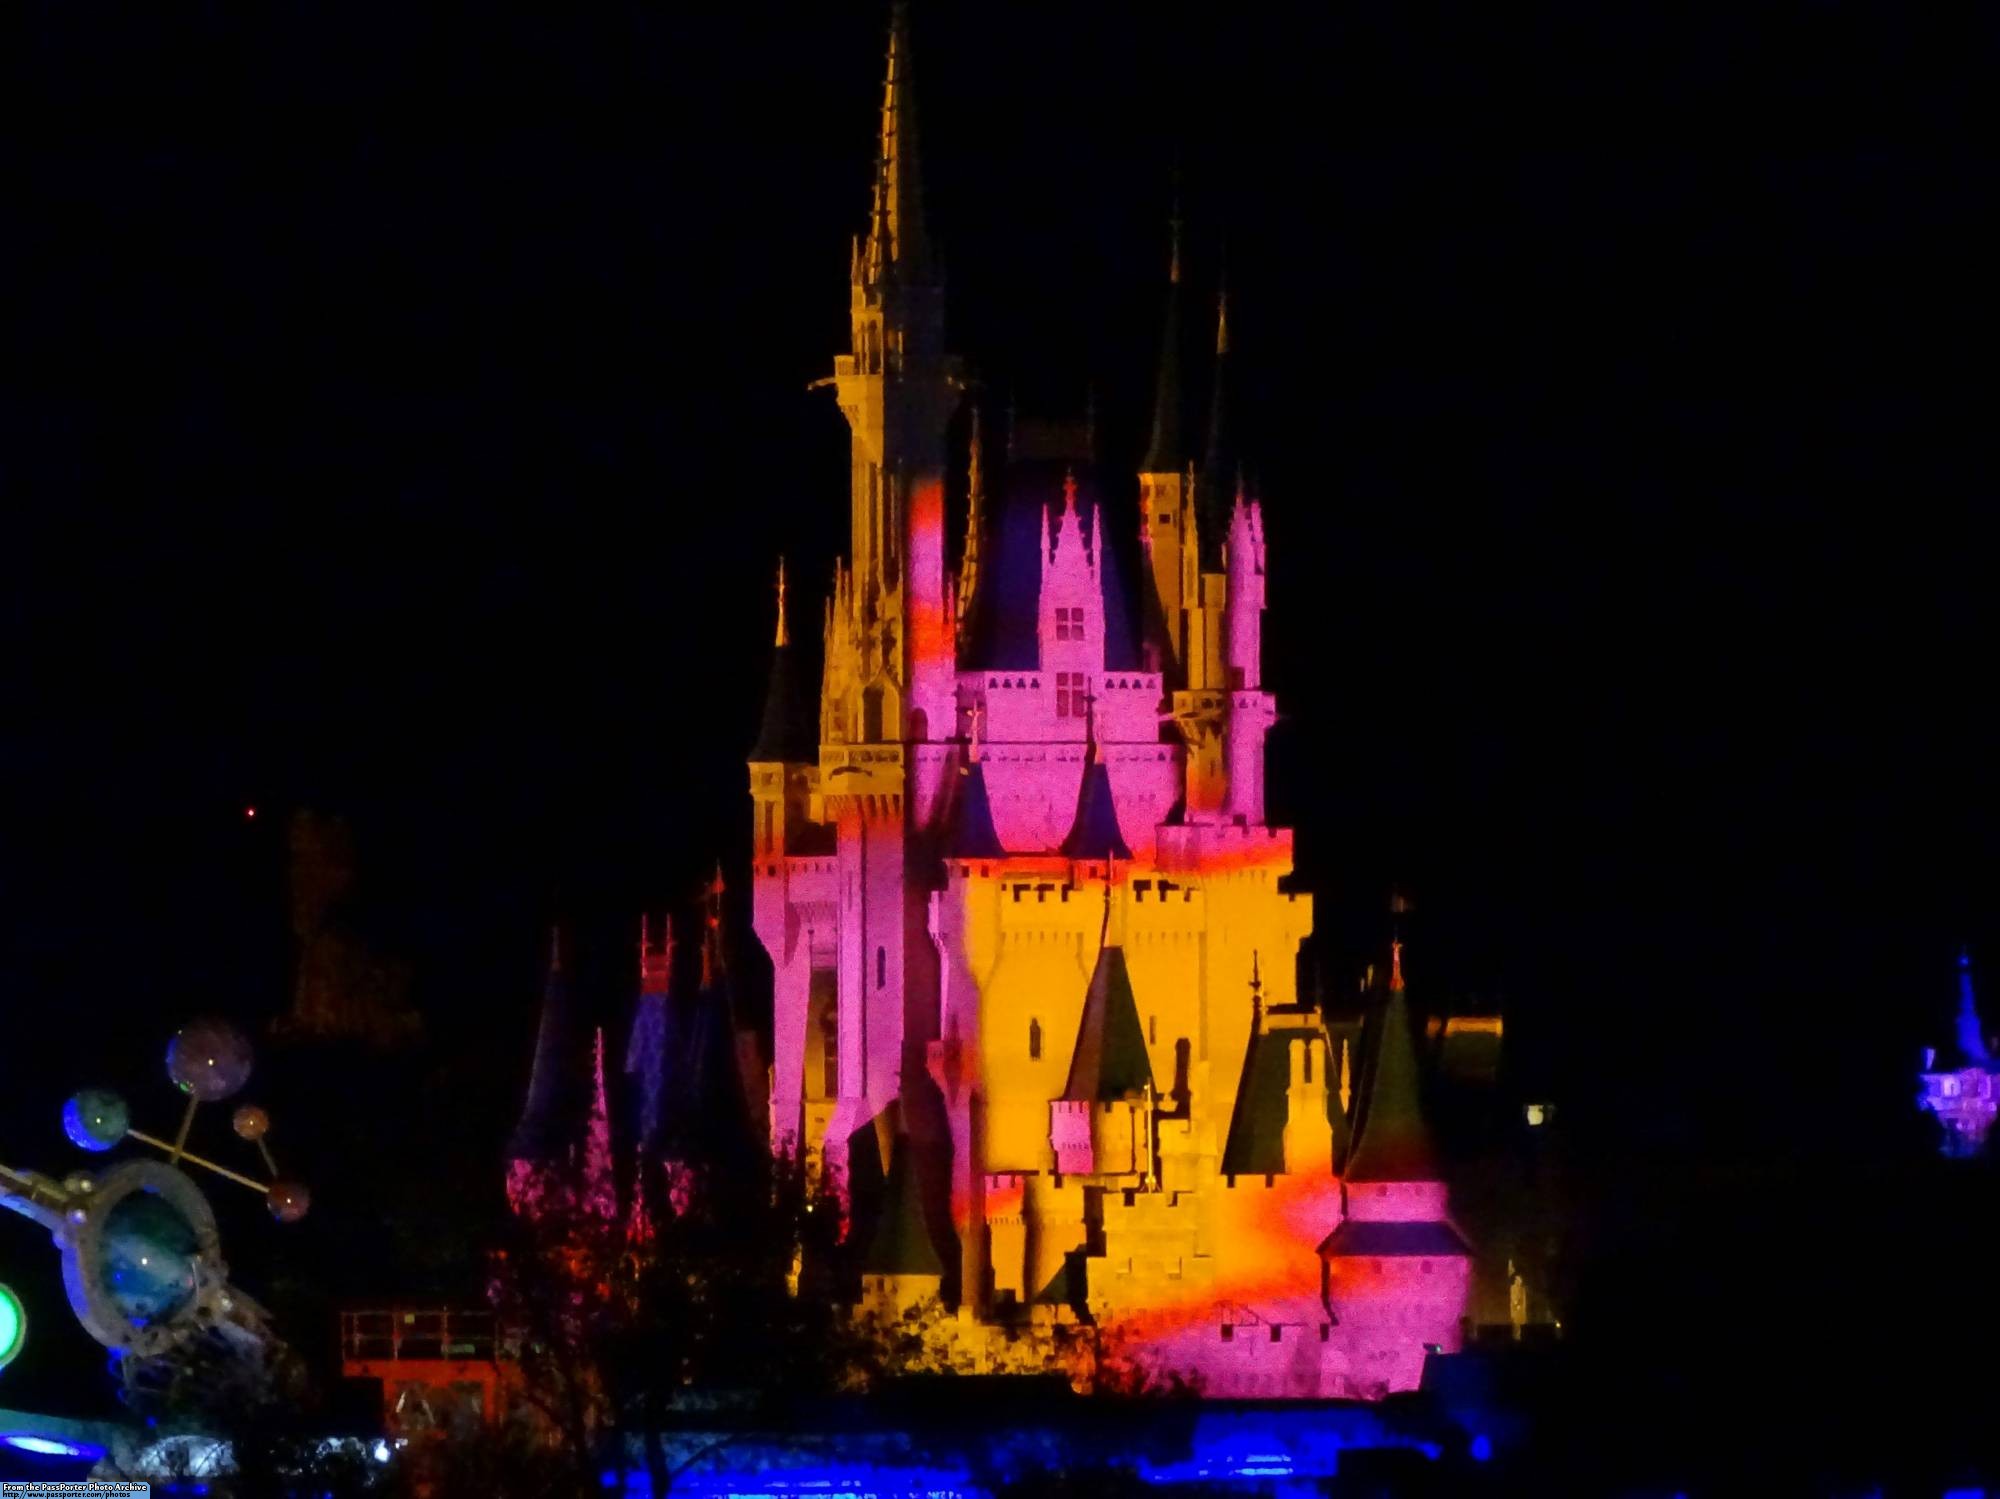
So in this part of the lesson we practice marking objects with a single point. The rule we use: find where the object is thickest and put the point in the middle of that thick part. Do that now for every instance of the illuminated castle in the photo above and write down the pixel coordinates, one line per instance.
(1035, 1005)
(1962, 1092)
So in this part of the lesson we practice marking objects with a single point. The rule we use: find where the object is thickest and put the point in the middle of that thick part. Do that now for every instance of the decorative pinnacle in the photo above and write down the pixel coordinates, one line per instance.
(1222, 321)
(1395, 963)
(783, 638)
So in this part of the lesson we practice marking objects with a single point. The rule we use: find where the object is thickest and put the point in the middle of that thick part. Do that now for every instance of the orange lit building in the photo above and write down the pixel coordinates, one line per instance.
(1028, 920)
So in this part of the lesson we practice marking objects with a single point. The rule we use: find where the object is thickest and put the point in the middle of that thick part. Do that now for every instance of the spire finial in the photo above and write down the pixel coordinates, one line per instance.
(1395, 962)
(1069, 491)
(783, 638)
(1222, 321)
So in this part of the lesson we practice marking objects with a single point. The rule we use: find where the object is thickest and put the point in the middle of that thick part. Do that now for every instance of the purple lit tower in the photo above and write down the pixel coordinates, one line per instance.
(1961, 1092)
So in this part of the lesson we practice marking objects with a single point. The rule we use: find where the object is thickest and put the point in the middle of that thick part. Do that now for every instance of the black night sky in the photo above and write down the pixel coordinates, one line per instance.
(404, 408)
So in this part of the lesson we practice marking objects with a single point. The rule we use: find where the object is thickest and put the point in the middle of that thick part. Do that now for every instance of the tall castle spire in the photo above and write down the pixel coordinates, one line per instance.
(1220, 467)
(1165, 453)
(898, 248)
(1971, 1033)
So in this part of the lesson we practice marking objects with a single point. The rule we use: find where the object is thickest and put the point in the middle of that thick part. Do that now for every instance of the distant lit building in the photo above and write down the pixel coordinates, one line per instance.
(1958, 1086)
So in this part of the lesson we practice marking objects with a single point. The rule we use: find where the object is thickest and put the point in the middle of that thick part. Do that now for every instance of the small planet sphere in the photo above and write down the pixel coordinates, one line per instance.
(148, 1258)
(251, 1122)
(209, 1058)
(96, 1119)
(288, 1201)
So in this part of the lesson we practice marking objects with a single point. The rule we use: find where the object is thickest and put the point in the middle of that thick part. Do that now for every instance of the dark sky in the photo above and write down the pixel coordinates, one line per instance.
(404, 405)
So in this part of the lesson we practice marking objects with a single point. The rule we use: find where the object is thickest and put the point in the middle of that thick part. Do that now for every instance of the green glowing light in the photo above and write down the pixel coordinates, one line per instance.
(13, 1326)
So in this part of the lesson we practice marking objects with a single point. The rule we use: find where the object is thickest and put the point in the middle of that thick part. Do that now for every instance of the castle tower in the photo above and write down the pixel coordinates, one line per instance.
(1963, 1092)
(1397, 1271)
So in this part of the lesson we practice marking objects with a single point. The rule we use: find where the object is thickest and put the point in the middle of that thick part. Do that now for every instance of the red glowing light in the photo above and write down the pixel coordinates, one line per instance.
(249, 812)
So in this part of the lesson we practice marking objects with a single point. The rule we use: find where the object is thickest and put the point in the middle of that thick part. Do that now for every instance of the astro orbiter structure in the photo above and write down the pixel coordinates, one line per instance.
(142, 1261)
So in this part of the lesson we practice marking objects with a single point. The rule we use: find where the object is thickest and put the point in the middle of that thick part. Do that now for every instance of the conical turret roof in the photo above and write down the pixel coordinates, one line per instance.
(901, 1244)
(973, 835)
(1110, 1061)
(1392, 1142)
(552, 1115)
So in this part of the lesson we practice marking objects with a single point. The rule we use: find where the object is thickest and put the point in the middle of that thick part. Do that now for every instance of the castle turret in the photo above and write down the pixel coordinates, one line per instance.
(542, 1149)
(1397, 1272)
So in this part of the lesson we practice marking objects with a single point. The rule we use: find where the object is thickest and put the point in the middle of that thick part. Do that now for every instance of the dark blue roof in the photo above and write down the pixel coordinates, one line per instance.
(1429, 1240)
(552, 1119)
(1095, 834)
(1002, 634)
(973, 835)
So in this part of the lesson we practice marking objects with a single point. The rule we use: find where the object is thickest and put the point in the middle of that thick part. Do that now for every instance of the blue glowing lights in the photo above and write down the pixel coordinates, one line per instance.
(96, 1119)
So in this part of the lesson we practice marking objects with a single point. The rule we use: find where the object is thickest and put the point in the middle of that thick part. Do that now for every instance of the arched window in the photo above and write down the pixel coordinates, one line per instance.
(871, 716)
(1034, 1039)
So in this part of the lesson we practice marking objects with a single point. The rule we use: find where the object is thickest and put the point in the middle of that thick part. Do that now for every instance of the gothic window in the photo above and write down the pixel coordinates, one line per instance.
(1069, 623)
(1309, 1061)
(881, 966)
(1034, 1039)
(826, 1005)
(871, 716)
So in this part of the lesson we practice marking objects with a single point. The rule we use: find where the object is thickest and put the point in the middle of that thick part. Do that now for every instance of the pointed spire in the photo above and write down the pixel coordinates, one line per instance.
(599, 1184)
(901, 1244)
(714, 964)
(973, 835)
(897, 245)
(1164, 453)
(1220, 468)
(786, 733)
(1095, 833)
(1971, 1034)
(1392, 1143)
(975, 524)
(549, 1114)
(1110, 1062)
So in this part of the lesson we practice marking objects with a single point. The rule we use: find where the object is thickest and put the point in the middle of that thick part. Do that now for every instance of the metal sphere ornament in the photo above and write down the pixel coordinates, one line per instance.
(288, 1201)
(96, 1119)
(209, 1059)
(79, 1183)
(250, 1123)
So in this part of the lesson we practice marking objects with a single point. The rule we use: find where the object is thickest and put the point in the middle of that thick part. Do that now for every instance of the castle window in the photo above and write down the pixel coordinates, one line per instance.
(1277, 1333)
(1326, 1332)
(1309, 1061)
(1034, 1039)
(1229, 1332)
(881, 966)
(1152, 1029)
(1071, 698)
